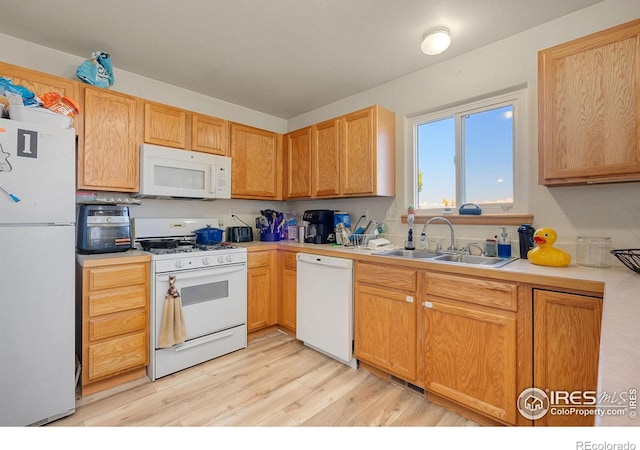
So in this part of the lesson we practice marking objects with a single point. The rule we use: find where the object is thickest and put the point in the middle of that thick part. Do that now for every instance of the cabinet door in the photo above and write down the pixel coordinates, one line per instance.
(40, 82)
(297, 175)
(288, 308)
(470, 356)
(357, 156)
(588, 108)
(209, 135)
(566, 329)
(261, 307)
(385, 330)
(259, 298)
(165, 125)
(109, 159)
(255, 163)
(326, 159)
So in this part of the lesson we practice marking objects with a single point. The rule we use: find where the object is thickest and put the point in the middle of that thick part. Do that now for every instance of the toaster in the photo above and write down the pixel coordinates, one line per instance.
(239, 234)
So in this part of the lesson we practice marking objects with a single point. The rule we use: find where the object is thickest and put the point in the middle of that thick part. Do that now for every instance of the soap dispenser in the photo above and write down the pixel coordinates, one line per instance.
(504, 244)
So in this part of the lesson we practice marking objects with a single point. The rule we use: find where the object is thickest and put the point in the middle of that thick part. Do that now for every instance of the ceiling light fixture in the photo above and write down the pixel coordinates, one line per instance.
(435, 41)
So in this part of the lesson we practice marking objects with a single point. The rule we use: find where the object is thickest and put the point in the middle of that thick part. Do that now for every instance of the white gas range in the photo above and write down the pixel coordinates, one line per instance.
(212, 283)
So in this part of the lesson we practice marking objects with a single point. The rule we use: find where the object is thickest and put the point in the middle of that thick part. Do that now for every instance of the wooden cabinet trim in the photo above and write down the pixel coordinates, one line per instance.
(118, 299)
(474, 290)
(115, 276)
(389, 276)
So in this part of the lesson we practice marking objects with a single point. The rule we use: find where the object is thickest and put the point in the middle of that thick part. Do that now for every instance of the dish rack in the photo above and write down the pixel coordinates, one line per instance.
(629, 257)
(361, 240)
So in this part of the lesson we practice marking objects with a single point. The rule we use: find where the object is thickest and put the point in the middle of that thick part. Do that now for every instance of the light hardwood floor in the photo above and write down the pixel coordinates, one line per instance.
(275, 381)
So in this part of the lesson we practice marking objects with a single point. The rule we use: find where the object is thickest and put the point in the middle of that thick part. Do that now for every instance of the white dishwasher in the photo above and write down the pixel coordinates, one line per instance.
(325, 305)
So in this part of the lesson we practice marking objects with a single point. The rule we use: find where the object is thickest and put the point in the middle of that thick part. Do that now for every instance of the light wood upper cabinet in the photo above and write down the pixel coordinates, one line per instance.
(108, 154)
(297, 164)
(566, 349)
(367, 158)
(256, 169)
(40, 83)
(209, 135)
(589, 108)
(165, 125)
(174, 127)
(325, 164)
(349, 156)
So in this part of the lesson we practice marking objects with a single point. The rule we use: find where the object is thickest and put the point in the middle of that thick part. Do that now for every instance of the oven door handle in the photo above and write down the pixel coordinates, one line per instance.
(203, 340)
(200, 273)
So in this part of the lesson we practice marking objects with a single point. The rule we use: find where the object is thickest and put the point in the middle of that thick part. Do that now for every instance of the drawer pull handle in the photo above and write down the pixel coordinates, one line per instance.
(428, 305)
(409, 299)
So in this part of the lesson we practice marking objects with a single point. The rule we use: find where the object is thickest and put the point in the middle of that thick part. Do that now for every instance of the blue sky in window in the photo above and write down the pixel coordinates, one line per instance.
(488, 152)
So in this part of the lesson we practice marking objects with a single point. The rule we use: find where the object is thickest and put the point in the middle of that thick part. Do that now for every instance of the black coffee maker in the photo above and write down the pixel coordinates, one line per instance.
(320, 229)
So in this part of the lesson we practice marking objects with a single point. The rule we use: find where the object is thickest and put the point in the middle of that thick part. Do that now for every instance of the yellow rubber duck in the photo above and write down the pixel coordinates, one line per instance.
(544, 254)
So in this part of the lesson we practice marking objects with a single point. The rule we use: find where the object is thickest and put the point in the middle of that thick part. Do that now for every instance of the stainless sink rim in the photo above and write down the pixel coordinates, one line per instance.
(447, 257)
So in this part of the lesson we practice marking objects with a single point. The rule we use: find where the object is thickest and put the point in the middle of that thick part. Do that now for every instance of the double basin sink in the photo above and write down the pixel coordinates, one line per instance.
(448, 257)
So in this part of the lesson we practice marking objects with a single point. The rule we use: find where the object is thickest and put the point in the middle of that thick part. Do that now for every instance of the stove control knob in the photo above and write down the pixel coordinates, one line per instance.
(179, 263)
(220, 259)
(206, 261)
(229, 258)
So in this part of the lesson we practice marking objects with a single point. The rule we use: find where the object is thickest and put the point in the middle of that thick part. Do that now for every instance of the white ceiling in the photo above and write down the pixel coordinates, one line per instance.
(281, 57)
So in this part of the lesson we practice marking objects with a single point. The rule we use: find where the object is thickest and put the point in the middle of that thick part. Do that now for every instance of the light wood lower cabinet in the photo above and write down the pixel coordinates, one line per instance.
(113, 314)
(288, 294)
(261, 289)
(469, 344)
(385, 318)
(566, 347)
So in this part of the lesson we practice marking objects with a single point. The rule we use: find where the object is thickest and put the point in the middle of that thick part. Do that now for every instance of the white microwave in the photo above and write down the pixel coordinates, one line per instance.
(174, 173)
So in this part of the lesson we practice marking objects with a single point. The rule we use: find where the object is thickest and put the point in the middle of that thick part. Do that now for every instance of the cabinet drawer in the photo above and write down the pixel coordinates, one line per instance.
(495, 294)
(117, 324)
(258, 259)
(289, 260)
(118, 275)
(389, 277)
(117, 355)
(115, 300)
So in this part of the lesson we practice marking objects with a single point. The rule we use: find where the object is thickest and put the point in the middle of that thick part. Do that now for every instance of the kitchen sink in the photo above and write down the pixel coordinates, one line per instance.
(412, 254)
(475, 260)
(453, 258)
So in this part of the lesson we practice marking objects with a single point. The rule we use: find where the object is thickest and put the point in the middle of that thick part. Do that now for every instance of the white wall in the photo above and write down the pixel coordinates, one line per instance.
(597, 210)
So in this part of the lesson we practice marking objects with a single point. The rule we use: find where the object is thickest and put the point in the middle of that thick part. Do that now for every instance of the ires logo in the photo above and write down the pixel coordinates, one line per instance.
(534, 403)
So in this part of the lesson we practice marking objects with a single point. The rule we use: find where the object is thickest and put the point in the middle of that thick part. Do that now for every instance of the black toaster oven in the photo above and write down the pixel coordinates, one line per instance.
(103, 229)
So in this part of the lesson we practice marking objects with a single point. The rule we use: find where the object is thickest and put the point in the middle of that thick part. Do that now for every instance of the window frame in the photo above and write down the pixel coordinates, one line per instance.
(516, 97)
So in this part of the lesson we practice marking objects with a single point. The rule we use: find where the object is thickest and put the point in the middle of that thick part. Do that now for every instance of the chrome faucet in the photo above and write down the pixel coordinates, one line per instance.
(467, 248)
(452, 245)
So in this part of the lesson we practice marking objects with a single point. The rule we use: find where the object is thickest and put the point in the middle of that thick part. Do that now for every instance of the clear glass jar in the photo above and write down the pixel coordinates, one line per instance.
(593, 251)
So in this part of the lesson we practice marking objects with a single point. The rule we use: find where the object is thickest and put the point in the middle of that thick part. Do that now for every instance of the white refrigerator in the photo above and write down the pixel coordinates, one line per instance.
(37, 278)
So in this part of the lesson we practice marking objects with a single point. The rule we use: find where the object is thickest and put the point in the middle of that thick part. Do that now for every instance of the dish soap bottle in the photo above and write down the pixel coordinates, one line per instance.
(504, 244)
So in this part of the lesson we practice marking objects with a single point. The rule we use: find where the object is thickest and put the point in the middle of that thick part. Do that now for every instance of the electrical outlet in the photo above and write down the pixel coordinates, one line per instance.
(365, 212)
(391, 216)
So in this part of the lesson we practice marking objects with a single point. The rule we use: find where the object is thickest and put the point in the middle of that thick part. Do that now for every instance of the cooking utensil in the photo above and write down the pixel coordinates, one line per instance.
(208, 235)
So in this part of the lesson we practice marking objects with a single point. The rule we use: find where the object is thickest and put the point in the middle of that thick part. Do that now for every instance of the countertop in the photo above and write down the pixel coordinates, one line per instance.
(619, 368)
